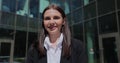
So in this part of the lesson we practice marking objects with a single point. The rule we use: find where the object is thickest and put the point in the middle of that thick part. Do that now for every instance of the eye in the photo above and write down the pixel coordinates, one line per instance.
(56, 17)
(47, 18)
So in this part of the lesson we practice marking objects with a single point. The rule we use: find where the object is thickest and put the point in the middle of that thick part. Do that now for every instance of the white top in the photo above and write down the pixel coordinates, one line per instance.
(53, 53)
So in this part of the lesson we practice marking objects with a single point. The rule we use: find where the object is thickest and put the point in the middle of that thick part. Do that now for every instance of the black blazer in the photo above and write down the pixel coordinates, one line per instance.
(78, 54)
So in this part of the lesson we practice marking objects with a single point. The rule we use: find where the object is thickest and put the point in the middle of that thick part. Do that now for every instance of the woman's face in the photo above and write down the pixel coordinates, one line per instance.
(53, 21)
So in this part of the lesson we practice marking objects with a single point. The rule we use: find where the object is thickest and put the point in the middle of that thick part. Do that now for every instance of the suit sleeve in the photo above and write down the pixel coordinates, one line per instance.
(83, 54)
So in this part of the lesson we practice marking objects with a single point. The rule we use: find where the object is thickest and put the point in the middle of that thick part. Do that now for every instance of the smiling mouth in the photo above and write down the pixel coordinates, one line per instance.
(52, 28)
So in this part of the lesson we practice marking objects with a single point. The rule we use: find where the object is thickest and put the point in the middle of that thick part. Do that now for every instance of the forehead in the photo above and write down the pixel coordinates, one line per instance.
(52, 12)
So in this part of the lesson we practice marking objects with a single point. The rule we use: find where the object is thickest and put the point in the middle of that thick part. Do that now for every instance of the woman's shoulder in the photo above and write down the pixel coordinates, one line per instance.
(77, 44)
(79, 50)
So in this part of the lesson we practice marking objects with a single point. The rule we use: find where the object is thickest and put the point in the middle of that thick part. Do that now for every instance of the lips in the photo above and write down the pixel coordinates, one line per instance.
(52, 27)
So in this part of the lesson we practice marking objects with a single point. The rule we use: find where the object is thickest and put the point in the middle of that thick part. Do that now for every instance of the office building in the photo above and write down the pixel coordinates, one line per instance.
(95, 22)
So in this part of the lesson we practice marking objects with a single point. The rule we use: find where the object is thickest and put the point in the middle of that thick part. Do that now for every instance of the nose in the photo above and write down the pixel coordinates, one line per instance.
(52, 21)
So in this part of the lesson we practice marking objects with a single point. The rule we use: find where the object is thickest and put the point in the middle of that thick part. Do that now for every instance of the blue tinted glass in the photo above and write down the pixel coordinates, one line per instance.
(8, 5)
(75, 4)
(22, 7)
(63, 4)
(86, 2)
(108, 23)
(42, 5)
(34, 8)
(77, 15)
(90, 11)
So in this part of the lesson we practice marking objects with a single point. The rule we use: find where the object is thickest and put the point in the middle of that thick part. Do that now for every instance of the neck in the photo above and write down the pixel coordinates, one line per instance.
(54, 37)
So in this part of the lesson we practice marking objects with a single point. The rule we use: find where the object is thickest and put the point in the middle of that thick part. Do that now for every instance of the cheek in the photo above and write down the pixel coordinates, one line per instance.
(45, 24)
(60, 25)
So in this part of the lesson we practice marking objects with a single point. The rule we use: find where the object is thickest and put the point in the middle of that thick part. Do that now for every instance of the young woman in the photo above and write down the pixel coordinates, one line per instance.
(55, 44)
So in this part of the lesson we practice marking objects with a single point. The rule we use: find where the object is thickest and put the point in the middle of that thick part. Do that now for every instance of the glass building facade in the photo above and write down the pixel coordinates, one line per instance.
(95, 22)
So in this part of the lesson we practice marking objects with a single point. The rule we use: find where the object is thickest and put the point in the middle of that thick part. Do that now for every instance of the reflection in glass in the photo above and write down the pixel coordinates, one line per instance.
(68, 16)
(7, 20)
(5, 49)
(92, 41)
(33, 25)
(43, 4)
(90, 11)
(22, 7)
(9, 5)
(20, 46)
(34, 8)
(0, 5)
(63, 4)
(77, 15)
(78, 31)
(0, 17)
(110, 50)
(104, 6)
(108, 23)
(86, 2)
(76, 4)
(21, 23)
(119, 19)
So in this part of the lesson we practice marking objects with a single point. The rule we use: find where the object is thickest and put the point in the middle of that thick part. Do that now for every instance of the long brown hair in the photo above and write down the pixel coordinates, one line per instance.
(65, 30)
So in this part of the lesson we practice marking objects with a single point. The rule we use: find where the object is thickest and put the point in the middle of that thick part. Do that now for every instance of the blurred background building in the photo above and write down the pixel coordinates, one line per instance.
(95, 22)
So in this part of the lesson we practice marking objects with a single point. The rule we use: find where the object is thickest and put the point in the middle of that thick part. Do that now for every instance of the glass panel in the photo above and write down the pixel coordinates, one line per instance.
(42, 5)
(76, 4)
(20, 46)
(90, 11)
(7, 25)
(33, 25)
(78, 31)
(118, 4)
(6, 32)
(67, 11)
(21, 23)
(9, 5)
(110, 50)
(91, 36)
(5, 49)
(34, 8)
(0, 5)
(0, 17)
(63, 4)
(67, 6)
(7, 20)
(32, 38)
(69, 19)
(77, 15)
(105, 6)
(119, 19)
(87, 1)
(108, 23)
(28, 6)
(22, 7)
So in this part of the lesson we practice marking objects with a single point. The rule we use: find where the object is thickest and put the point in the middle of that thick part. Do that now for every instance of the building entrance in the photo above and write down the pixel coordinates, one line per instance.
(6, 50)
(109, 50)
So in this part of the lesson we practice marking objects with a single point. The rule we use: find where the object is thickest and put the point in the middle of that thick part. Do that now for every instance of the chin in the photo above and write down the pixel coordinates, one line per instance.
(53, 32)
